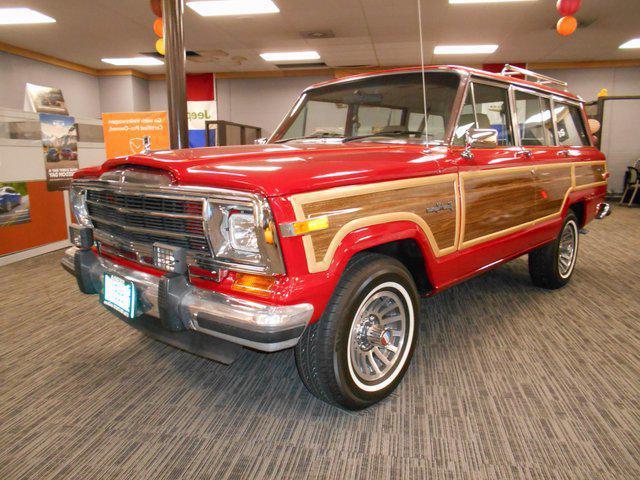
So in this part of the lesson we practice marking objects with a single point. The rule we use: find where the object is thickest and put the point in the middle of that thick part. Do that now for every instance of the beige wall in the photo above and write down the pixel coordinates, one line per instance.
(621, 117)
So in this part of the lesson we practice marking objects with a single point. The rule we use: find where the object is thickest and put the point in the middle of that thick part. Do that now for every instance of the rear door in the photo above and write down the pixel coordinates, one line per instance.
(536, 135)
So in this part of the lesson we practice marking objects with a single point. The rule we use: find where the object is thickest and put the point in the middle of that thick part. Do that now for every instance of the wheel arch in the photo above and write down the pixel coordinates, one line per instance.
(402, 240)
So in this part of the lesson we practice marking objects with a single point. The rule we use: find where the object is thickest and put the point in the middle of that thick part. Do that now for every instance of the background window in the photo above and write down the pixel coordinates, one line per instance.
(571, 131)
(531, 121)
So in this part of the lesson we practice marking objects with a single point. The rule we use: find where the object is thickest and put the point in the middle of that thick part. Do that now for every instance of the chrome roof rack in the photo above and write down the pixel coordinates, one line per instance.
(510, 70)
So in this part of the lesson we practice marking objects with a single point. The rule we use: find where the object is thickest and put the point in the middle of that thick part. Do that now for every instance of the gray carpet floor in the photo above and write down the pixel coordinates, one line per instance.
(508, 381)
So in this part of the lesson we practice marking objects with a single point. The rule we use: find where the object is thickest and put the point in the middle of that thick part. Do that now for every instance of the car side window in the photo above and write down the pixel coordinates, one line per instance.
(492, 111)
(533, 114)
(571, 130)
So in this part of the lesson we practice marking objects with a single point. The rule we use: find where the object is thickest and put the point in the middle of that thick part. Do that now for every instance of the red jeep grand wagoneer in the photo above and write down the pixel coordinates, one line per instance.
(324, 238)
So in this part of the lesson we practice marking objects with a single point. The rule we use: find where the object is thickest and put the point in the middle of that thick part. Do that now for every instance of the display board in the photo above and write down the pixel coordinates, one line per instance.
(128, 133)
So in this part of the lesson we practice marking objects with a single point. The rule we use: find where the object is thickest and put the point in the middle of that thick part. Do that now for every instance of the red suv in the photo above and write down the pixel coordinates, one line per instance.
(324, 238)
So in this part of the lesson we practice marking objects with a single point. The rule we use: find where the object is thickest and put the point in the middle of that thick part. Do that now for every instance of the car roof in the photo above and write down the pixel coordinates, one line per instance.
(458, 69)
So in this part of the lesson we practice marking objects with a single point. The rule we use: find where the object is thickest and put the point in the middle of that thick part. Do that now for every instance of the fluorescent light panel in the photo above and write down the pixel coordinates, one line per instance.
(633, 43)
(22, 16)
(488, 1)
(134, 61)
(463, 49)
(219, 8)
(288, 56)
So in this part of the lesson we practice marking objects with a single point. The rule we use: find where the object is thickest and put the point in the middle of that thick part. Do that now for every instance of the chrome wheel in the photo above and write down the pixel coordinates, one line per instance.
(567, 249)
(381, 331)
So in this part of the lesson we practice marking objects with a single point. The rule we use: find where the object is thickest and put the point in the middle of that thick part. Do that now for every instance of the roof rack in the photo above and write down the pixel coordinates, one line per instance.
(510, 70)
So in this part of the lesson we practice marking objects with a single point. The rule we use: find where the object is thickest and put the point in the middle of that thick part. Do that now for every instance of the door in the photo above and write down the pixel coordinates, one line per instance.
(497, 185)
(535, 134)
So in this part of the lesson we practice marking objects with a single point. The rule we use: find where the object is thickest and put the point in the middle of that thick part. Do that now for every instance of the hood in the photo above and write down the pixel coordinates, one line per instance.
(279, 169)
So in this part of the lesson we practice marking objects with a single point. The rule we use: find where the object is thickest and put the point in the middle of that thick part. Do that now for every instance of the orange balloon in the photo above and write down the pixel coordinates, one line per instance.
(160, 46)
(566, 25)
(157, 27)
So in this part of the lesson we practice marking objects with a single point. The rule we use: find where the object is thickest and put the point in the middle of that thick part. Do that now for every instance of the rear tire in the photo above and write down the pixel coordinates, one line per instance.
(357, 353)
(551, 266)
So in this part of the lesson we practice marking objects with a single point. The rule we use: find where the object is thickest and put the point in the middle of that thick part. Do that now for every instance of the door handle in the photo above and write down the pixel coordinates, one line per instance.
(525, 153)
(563, 153)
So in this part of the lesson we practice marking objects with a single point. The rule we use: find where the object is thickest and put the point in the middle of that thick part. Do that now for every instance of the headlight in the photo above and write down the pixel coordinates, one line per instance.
(78, 199)
(242, 232)
(242, 235)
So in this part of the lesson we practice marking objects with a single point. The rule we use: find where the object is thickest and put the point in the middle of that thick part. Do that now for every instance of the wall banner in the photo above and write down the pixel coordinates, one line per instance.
(128, 133)
(201, 106)
(59, 148)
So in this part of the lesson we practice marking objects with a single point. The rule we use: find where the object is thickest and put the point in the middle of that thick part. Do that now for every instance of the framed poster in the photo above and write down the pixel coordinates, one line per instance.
(14, 203)
(41, 99)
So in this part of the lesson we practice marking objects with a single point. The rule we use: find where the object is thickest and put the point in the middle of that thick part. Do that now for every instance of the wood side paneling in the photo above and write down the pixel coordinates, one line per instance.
(351, 208)
(497, 200)
(552, 186)
(414, 200)
(588, 174)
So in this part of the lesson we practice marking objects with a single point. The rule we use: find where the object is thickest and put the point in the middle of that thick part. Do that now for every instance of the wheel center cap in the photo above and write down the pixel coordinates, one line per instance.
(385, 337)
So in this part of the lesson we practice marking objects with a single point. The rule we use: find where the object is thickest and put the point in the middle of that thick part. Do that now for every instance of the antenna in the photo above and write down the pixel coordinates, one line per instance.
(424, 80)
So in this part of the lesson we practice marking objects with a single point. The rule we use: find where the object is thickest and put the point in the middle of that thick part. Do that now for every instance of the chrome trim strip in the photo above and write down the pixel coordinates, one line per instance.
(237, 312)
(151, 231)
(150, 213)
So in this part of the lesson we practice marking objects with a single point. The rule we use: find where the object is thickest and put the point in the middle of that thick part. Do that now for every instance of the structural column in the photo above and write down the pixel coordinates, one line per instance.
(172, 11)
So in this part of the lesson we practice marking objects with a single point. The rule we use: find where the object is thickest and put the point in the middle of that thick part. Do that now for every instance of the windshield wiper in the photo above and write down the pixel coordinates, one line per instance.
(317, 135)
(384, 134)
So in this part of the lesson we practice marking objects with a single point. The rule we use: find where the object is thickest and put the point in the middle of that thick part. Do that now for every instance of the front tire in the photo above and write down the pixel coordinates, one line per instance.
(551, 266)
(357, 353)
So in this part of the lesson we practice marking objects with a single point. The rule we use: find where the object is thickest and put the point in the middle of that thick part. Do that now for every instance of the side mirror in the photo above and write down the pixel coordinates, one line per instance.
(260, 141)
(479, 138)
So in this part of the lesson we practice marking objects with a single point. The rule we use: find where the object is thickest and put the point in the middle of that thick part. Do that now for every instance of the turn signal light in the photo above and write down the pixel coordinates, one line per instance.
(305, 226)
(254, 284)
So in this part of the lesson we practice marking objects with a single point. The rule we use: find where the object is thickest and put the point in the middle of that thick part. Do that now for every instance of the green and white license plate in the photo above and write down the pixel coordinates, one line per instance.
(119, 294)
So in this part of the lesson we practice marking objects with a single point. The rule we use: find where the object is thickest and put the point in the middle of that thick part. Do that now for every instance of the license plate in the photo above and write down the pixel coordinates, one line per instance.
(119, 294)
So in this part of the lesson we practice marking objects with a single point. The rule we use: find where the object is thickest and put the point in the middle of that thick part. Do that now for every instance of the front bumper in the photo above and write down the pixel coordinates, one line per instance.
(179, 306)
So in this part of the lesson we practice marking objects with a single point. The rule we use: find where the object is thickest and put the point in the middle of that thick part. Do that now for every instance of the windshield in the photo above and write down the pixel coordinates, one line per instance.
(385, 108)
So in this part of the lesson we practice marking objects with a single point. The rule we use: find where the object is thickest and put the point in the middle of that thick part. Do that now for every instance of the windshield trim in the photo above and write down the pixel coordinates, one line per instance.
(463, 76)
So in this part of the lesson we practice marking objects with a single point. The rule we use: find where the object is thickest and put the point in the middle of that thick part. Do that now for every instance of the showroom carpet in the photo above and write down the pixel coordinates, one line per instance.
(508, 381)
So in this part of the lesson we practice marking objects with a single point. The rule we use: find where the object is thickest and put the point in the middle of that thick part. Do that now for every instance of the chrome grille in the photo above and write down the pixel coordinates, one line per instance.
(141, 218)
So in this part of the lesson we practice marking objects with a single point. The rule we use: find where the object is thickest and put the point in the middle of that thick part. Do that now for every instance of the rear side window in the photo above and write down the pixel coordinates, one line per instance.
(571, 130)
(535, 125)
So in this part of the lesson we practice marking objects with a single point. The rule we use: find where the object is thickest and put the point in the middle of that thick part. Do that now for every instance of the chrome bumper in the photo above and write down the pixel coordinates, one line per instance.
(181, 306)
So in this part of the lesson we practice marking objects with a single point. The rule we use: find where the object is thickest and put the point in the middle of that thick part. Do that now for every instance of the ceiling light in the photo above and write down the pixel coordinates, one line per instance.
(133, 61)
(488, 1)
(286, 56)
(462, 49)
(21, 16)
(219, 8)
(633, 43)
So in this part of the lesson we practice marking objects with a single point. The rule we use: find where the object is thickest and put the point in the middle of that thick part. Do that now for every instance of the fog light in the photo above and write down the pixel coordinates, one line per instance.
(80, 236)
(169, 258)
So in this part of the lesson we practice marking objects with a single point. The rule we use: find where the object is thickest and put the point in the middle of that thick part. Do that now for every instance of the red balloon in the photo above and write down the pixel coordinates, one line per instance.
(568, 7)
(156, 6)
(157, 27)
